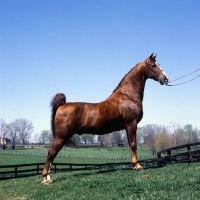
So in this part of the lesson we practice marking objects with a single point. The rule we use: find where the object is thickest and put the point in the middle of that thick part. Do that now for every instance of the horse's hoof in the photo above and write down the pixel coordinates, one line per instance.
(139, 169)
(47, 182)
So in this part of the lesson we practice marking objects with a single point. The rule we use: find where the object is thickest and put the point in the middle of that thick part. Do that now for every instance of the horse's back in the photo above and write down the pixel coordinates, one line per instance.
(83, 117)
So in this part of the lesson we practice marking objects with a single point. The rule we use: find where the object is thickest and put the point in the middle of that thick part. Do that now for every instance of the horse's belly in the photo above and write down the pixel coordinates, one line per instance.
(101, 126)
(100, 130)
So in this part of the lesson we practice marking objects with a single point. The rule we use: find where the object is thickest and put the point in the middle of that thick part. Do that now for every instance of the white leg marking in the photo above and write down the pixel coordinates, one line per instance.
(49, 180)
(48, 175)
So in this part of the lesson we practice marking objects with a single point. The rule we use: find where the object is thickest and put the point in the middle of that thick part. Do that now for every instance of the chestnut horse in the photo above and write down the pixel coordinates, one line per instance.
(122, 110)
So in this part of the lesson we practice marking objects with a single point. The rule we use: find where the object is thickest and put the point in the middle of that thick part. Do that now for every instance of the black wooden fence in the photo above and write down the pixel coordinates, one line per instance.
(180, 154)
(14, 171)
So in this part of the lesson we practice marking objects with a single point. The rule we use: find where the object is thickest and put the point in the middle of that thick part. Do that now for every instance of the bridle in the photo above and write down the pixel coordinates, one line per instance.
(163, 80)
(151, 67)
(157, 74)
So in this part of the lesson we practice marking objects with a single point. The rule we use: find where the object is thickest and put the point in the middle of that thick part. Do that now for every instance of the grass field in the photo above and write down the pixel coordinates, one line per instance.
(174, 182)
(171, 182)
(18, 156)
(10, 159)
(111, 152)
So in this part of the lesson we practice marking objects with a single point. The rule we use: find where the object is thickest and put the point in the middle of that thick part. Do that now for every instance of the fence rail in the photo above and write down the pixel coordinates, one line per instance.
(181, 154)
(14, 171)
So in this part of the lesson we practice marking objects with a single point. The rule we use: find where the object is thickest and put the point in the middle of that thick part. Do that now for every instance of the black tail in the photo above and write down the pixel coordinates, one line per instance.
(57, 101)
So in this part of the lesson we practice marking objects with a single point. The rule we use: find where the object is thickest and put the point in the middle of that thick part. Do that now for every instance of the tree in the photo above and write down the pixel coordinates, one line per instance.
(149, 133)
(191, 134)
(124, 138)
(177, 136)
(50, 137)
(162, 141)
(12, 129)
(188, 130)
(139, 136)
(87, 138)
(195, 135)
(74, 141)
(105, 140)
(116, 138)
(36, 138)
(46, 136)
(3, 132)
(24, 128)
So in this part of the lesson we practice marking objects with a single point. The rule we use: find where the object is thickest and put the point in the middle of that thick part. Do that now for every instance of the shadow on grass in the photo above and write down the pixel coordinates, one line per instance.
(105, 171)
(98, 170)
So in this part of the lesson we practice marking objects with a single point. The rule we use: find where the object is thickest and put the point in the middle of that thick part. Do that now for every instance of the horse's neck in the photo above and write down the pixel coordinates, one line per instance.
(133, 83)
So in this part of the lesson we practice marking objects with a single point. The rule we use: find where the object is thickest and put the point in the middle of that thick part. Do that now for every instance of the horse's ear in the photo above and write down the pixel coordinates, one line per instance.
(152, 57)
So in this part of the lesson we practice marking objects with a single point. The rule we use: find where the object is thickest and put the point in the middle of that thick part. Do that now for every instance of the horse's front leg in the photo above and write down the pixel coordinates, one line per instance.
(131, 130)
(55, 148)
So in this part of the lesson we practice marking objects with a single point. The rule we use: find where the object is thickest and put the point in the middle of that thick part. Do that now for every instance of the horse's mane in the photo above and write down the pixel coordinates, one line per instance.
(124, 78)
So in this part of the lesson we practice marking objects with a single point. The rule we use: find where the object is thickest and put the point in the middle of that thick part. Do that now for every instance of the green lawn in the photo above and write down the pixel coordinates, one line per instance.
(18, 156)
(103, 152)
(173, 182)
(10, 159)
(112, 152)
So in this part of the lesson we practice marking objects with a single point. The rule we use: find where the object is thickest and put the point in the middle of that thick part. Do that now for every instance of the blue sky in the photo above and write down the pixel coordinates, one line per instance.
(83, 48)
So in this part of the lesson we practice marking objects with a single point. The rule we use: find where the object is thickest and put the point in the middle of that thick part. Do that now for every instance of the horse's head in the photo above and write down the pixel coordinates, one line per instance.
(154, 71)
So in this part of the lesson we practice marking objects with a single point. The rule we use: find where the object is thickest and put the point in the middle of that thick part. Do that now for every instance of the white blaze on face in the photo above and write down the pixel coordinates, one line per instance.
(161, 69)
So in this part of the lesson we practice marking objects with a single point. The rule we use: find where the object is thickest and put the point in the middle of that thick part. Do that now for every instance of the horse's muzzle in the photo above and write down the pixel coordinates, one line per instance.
(163, 81)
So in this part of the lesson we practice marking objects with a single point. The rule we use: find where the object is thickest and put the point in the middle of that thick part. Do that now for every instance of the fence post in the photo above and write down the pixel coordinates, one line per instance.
(169, 156)
(54, 167)
(37, 169)
(190, 158)
(15, 171)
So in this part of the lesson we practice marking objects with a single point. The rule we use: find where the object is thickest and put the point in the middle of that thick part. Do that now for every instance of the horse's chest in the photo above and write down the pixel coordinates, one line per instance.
(132, 111)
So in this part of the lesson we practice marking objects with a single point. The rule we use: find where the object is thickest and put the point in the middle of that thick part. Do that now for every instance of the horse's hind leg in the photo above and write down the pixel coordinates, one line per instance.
(55, 148)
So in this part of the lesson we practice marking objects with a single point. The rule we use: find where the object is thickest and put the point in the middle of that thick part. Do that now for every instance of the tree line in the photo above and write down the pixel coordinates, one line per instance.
(156, 137)
(159, 137)
(18, 131)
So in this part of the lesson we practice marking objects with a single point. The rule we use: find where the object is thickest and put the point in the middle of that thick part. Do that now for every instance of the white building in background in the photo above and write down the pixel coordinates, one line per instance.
(5, 141)
(95, 139)
(2, 141)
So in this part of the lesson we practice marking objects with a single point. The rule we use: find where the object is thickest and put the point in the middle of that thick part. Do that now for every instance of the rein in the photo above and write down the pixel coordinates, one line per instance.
(183, 77)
